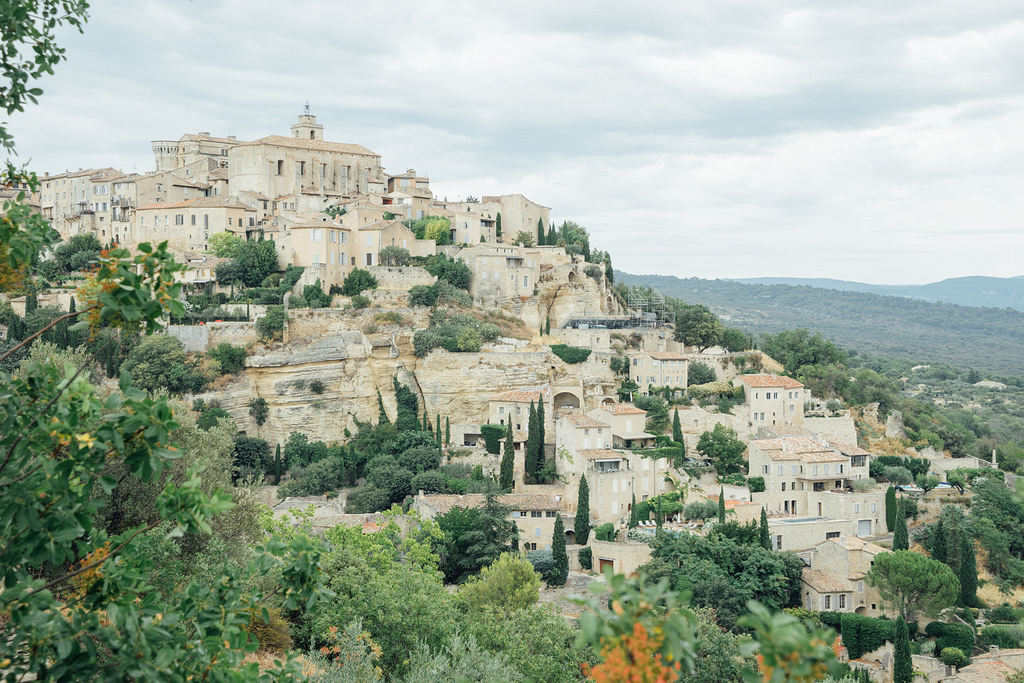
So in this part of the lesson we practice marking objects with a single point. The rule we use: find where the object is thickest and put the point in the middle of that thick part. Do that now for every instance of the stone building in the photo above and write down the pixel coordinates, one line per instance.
(188, 225)
(658, 369)
(771, 400)
(501, 272)
(838, 567)
(534, 514)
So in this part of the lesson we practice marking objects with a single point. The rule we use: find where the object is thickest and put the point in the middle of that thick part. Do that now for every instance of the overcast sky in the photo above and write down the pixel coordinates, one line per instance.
(872, 141)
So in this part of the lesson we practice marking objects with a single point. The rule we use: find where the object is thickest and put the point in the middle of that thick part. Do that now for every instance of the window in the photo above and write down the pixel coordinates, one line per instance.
(783, 486)
(517, 513)
(842, 601)
(856, 508)
(826, 469)
(536, 532)
(551, 513)
(193, 219)
(280, 167)
(831, 534)
(827, 605)
(536, 513)
(781, 470)
(793, 469)
(874, 507)
(533, 546)
(302, 168)
(179, 219)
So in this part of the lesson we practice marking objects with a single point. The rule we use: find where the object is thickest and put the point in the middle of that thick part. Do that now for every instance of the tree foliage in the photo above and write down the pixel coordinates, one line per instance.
(723, 448)
(913, 583)
(698, 326)
(581, 526)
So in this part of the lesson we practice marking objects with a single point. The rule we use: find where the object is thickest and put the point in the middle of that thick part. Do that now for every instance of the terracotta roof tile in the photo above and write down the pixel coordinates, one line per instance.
(580, 421)
(623, 409)
(518, 501)
(601, 454)
(199, 203)
(319, 145)
(732, 503)
(823, 583)
(666, 355)
(769, 381)
(519, 395)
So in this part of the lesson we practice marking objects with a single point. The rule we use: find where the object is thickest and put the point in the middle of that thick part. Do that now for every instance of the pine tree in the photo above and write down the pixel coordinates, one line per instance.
(277, 465)
(721, 505)
(582, 526)
(765, 535)
(558, 553)
(659, 519)
(437, 432)
(900, 540)
(541, 237)
(939, 549)
(968, 573)
(508, 462)
(677, 428)
(903, 668)
(633, 517)
(447, 432)
(890, 508)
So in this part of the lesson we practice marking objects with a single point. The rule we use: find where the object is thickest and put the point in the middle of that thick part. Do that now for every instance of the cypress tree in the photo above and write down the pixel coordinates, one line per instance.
(508, 461)
(540, 232)
(353, 470)
(31, 303)
(903, 668)
(541, 436)
(582, 525)
(677, 429)
(382, 416)
(447, 432)
(765, 536)
(497, 225)
(890, 508)
(551, 239)
(968, 573)
(659, 519)
(437, 432)
(558, 553)
(547, 325)
(277, 465)
(939, 549)
(721, 505)
(633, 518)
(900, 540)
(530, 463)
(71, 306)
(426, 422)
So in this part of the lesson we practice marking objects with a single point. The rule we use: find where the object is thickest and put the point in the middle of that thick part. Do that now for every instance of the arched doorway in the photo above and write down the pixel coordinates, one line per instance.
(566, 399)
(570, 537)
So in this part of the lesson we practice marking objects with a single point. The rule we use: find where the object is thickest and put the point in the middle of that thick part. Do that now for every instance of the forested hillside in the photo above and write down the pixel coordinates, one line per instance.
(977, 290)
(985, 338)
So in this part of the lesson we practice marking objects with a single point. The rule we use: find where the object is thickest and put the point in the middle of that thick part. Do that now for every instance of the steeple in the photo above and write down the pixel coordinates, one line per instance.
(307, 128)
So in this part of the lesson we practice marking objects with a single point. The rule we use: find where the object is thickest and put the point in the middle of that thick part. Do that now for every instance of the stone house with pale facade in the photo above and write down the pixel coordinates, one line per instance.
(658, 369)
(771, 400)
(188, 225)
(627, 425)
(836, 578)
(501, 272)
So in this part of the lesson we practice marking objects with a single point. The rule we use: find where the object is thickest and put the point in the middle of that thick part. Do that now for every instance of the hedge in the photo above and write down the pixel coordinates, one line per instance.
(493, 434)
(570, 354)
(1005, 636)
(605, 532)
(586, 557)
(951, 635)
(863, 634)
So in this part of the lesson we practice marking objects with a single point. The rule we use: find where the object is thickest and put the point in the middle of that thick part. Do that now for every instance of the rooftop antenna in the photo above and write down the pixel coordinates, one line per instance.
(305, 110)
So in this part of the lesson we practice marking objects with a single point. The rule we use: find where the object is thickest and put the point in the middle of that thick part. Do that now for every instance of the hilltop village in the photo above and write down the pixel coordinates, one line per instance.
(330, 307)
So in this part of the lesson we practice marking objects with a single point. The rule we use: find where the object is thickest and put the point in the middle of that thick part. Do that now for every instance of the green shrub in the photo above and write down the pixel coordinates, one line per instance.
(358, 281)
(316, 386)
(863, 634)
(231, 358)
(544, 564)
(951, 635)
(1005, 636)
(492, 435)
(423, 295)
(756, 484)
(570, 354)
(272, 323)
(586, 557)
(953, 656)
(1003, 614)
(359, 302)
(605, 532)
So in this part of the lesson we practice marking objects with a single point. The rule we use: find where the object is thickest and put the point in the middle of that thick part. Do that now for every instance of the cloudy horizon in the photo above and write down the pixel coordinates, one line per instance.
(871, 142)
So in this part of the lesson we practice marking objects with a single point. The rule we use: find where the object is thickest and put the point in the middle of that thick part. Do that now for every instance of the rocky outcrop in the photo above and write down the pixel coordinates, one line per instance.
(894, 427)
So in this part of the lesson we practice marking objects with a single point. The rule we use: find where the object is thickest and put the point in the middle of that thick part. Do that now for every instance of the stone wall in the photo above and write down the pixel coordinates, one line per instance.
(238, 334)
(195, 338)
(837, 428)
(626, 557)
(401, 279)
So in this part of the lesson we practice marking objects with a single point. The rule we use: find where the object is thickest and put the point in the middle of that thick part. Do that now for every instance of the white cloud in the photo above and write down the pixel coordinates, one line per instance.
(866, 141)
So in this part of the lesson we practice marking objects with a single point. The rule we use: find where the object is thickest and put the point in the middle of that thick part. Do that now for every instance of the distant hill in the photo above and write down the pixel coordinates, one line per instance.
(994, 292)
(963, 336)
